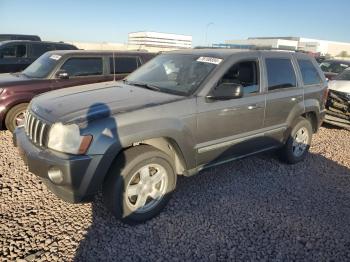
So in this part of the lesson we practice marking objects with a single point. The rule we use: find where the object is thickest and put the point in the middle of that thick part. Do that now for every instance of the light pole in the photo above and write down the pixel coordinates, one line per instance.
(206, 32)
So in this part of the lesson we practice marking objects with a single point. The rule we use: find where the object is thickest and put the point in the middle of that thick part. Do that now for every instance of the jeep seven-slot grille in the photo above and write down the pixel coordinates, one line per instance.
(35, 129)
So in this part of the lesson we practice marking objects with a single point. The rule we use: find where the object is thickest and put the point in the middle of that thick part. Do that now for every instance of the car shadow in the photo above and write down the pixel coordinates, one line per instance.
(218, 209)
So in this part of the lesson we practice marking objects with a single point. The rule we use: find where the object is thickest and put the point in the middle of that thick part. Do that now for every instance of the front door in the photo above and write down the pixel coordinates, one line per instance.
(81, 71)
(232, 128)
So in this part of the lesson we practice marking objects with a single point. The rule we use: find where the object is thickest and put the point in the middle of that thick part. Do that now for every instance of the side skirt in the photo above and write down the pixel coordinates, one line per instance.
(196, 170)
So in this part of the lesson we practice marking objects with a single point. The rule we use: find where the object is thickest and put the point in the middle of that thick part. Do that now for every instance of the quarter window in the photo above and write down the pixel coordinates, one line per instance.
(280, 73)
(123, 65)
(309, 73)
(83, 66)
(244, 73)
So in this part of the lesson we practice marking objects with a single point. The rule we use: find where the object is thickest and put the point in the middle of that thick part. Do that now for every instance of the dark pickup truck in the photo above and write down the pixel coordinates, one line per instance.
(15, 56)
(59, 69)
(179, 113)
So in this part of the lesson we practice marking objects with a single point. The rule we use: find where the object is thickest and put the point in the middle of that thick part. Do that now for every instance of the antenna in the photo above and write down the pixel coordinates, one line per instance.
(113, 67)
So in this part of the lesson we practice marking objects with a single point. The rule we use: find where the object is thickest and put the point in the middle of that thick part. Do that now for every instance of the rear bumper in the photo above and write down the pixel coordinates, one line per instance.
(79, 173)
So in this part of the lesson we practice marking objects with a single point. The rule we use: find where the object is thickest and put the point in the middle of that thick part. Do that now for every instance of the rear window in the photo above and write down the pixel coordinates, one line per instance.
(124, 64)
(280, 73)
(309, 72)
(83, 66)
(65, 47)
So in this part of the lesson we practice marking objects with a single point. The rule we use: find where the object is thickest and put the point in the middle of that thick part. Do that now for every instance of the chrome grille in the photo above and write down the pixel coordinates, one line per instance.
(35, 129)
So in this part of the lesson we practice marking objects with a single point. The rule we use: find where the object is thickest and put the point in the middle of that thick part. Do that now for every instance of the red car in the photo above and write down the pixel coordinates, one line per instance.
(60, 69)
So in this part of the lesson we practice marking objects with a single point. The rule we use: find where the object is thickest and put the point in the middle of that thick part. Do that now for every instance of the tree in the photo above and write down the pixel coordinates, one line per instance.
(343, 54)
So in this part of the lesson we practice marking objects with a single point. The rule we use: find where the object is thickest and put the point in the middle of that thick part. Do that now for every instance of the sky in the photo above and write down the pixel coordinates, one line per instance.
(111, 21)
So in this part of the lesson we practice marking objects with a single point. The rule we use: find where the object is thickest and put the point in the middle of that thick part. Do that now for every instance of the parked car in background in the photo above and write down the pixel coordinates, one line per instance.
(15, 56)
(338, 102)
(6, 37)
(181, 112)
(332, 68)
(60, 69)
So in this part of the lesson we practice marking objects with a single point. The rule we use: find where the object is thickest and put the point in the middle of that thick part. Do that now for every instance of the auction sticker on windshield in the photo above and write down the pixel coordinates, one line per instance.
(211, 60)
(55, 57)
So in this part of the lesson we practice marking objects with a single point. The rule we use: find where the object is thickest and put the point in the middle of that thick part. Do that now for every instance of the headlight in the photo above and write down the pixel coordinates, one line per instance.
(67, 139)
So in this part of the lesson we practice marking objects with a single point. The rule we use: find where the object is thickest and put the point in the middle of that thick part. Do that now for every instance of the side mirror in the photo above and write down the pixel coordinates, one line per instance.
(62, 74)
(226, 91)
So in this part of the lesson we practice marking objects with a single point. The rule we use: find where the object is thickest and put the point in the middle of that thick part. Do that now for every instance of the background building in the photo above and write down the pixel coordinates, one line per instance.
(322, 47)
(154, 41)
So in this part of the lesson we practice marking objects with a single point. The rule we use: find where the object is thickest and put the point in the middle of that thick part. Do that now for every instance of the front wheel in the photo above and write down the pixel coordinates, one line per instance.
(15, 116)
(298, 143)
(139, 184)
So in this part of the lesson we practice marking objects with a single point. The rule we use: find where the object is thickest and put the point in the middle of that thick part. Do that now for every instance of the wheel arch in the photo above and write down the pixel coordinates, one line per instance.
(170, 147)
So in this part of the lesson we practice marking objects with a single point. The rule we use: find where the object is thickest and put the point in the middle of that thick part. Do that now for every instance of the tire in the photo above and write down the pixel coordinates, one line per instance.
(124, 176)
(10, 119)
(302, 130)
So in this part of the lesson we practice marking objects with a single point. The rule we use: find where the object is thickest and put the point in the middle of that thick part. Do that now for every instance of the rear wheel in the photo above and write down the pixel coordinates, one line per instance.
(15, 116)
(298, 143)
(139, 184)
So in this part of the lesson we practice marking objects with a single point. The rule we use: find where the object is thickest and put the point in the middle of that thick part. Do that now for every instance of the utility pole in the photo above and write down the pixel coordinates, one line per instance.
(206, 32)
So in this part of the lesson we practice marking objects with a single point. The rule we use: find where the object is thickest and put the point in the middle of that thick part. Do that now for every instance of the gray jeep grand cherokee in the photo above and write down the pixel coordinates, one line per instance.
(179, 113)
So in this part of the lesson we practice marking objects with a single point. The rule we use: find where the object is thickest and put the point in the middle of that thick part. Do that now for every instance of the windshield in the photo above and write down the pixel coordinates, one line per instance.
(174, 73)
(333, 67)
(344, 76)
(41, 67)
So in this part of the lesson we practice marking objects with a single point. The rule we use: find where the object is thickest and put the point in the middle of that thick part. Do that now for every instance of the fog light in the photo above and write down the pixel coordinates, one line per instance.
(55, 175)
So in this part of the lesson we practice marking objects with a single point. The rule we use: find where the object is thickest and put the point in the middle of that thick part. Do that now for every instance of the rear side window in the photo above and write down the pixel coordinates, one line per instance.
(280, 73)
(83, 66)
(13, 51)
(39, 49)
(124, 64)
(309, 73)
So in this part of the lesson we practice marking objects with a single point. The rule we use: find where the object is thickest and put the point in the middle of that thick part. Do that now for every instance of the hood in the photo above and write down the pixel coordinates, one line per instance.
(339, 85)
(87, 102)
(12, 79)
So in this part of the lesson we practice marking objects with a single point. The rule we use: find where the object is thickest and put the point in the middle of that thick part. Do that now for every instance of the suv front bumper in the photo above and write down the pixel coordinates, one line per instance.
(80, 180)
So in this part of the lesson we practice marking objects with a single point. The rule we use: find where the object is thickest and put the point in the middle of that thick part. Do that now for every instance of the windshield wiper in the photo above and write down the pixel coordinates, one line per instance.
(145, 85)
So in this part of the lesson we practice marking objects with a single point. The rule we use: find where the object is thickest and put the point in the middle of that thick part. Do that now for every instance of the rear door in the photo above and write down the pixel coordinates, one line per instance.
(13, 57)
(284, 94)
(81, 71)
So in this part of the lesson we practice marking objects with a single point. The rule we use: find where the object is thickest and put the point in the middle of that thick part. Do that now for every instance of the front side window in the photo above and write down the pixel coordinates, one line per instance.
(309, 73)
(244, 73)
(13, 51)
(333, 67)
(83, 66)
(280, 73)
(179, 74)
(123, 65)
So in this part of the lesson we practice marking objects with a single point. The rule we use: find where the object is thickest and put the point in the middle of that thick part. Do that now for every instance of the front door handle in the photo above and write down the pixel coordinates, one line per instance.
(296, 98)
(255, 106)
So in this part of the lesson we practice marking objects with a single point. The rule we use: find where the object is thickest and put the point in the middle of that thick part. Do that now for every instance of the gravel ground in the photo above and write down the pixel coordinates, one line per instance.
(252, 209)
